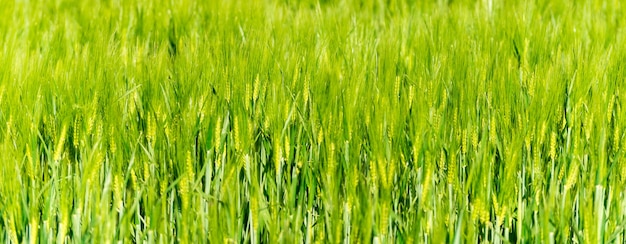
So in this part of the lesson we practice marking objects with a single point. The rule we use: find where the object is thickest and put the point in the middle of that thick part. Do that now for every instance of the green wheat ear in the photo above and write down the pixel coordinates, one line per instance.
(312, 121)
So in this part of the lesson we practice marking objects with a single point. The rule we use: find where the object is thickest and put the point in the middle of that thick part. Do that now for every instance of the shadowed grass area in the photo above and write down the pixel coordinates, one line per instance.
(312, 121)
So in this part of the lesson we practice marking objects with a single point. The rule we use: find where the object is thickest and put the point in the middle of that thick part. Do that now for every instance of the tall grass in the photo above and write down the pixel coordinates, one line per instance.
(312, 121)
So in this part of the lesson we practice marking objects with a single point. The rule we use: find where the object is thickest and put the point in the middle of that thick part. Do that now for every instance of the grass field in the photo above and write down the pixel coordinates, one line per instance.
(382, 121)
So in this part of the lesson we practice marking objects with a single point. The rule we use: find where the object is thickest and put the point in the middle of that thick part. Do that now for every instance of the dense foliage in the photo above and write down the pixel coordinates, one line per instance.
(304, 121)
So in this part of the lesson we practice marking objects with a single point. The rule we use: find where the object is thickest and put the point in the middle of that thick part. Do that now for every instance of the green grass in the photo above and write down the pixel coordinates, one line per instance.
(318, 122)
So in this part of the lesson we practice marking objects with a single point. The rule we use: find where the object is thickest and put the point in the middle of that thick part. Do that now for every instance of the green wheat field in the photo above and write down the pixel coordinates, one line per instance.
(316, 121)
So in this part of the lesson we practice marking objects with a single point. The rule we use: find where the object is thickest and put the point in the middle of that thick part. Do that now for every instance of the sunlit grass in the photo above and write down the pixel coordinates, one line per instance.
(330, 121)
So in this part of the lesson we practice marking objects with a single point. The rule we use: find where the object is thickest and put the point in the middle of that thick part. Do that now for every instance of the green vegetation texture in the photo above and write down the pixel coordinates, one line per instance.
(383, 121)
